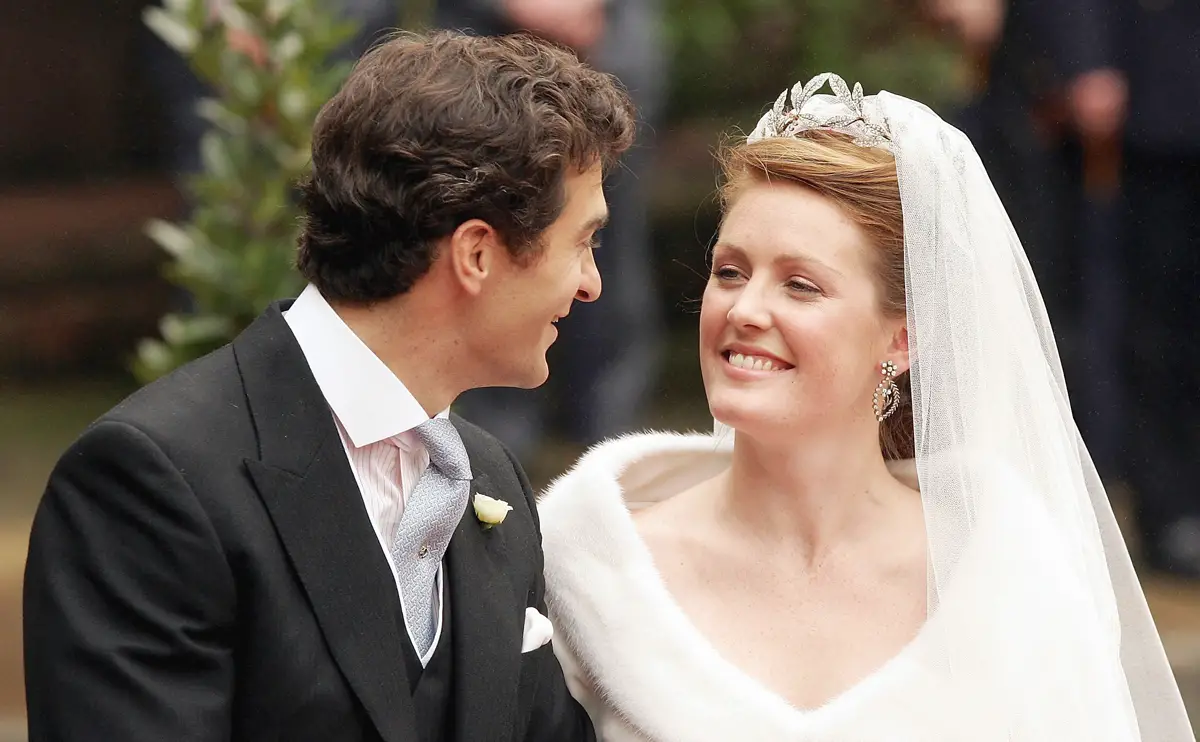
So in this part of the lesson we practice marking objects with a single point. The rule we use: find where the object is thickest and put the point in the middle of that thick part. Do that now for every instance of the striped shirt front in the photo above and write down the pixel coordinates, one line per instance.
(375, 416)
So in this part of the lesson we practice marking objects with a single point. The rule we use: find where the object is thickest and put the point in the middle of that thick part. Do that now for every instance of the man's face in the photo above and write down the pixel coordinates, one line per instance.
(530, 297)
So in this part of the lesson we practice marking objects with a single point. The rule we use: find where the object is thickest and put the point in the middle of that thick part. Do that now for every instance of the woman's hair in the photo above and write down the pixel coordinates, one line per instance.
(862, 182)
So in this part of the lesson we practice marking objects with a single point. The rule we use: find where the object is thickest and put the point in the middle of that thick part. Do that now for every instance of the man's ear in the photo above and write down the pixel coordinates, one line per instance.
(473, 251)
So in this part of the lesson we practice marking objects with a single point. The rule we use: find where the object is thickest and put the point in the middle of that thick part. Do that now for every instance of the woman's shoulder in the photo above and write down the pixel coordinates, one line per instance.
(628, 652)
(625, 474)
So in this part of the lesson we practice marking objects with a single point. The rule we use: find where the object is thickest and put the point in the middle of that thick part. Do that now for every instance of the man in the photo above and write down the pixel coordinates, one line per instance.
(609, 356)
(252, 548)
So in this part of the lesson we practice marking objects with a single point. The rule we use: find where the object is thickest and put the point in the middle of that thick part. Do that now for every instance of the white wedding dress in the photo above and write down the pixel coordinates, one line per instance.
(645, 673)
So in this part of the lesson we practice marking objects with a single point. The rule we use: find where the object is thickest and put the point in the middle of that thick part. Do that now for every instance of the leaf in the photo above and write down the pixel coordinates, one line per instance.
(170, 29)
(293, 102)
(215, 155)
(170, 237)
(232, 16)
(193, 256)
(277, 9)
(153, 359)
(193, 329)
(178, 7)
(244, 82)
(214, 112)
(288, 49)
(206, 63)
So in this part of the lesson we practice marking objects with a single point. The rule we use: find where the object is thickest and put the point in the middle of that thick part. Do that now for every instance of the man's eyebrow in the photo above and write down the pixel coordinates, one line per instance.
(595, 224)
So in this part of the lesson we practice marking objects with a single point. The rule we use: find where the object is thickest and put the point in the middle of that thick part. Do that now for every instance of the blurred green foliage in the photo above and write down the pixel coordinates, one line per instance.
(269, 66)
(732, 57)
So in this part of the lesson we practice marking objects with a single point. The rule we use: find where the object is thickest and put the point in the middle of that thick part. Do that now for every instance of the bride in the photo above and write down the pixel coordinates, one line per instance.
(895, 532)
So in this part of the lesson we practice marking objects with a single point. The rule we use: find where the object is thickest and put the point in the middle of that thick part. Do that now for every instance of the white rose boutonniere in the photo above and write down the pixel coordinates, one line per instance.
(490, 511)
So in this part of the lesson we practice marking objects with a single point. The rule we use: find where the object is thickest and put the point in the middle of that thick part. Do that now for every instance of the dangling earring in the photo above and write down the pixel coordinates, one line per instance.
(887, 394)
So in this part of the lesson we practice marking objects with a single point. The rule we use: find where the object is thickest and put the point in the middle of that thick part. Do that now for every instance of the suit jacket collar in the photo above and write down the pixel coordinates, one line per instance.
(290, 414)
(305, 482)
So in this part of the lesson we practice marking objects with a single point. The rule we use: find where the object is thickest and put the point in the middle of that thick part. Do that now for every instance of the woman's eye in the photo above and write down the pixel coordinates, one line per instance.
(803, 286)
(726, 274)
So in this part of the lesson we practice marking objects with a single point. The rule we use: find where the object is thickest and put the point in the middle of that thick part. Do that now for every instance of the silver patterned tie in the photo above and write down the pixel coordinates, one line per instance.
(431, 514)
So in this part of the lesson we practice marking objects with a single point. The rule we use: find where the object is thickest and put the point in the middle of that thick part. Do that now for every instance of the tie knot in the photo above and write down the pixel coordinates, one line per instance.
(445, 447)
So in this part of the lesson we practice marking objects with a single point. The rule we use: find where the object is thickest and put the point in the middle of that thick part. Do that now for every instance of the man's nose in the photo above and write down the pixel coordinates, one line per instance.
(589, 280)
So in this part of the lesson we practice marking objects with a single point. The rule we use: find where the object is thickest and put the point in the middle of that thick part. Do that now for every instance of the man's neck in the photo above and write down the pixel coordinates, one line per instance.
(414, 344)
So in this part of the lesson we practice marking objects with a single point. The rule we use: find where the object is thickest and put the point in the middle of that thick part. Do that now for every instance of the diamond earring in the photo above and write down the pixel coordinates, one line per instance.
(887, 395)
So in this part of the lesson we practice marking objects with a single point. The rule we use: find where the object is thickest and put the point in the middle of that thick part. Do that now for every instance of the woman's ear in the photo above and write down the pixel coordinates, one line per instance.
(898, 348)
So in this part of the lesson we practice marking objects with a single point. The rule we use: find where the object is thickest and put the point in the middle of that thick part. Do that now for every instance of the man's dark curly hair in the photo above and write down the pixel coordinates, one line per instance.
(430, 131)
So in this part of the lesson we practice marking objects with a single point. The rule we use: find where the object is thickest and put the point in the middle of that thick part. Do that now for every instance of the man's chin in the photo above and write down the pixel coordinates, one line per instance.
(535, 375)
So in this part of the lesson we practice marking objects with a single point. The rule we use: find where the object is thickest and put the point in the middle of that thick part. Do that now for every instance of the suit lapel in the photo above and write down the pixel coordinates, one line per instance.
(488, 625)
(306, 484)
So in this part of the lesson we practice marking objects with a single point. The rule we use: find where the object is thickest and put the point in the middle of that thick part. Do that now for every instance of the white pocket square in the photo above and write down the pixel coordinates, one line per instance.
(538, 630)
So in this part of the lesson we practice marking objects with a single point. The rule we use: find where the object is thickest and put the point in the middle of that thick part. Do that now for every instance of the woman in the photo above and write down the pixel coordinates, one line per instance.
(895, 532)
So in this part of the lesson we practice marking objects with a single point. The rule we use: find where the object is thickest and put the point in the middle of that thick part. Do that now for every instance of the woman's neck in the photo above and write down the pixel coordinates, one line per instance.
(808, 497)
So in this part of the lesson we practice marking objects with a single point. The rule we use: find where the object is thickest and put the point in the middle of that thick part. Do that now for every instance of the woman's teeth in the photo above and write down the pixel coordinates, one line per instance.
(751, 363)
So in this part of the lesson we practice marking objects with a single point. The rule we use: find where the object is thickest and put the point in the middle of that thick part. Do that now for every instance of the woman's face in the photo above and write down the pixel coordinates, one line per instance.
(791, 331)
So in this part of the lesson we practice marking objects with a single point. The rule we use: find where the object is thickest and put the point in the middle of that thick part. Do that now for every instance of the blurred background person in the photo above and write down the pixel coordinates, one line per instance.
(1087, 112)
(607, 356)
(1149, 53)
(1053, 154)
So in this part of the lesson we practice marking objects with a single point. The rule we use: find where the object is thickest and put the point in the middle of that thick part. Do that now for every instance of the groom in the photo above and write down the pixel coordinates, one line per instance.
(281, 541)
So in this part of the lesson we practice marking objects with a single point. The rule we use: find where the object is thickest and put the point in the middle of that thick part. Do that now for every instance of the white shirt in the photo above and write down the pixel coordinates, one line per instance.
(375, 415)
